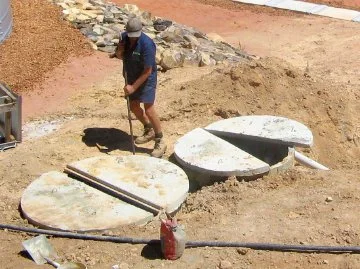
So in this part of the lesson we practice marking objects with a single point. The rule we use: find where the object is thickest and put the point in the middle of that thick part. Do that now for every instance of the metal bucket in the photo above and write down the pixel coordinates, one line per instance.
(6, 20)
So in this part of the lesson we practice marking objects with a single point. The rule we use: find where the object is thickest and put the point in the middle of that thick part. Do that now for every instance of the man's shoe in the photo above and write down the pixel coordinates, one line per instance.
(159, 148)
(147, 136)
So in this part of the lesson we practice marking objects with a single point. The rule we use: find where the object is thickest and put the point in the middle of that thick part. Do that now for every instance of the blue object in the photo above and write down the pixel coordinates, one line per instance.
(135, 60)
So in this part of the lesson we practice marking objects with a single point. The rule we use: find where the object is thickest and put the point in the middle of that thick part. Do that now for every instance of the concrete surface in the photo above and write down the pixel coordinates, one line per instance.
(155, 180)
(56, 201)
(264, 128)
(306, 7)
(203, 152)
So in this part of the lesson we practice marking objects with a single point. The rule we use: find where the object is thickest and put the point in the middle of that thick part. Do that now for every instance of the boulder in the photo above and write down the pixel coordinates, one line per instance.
(191, 57)
(206, 60)
(159, 54)
(161, 25)
(171, 59)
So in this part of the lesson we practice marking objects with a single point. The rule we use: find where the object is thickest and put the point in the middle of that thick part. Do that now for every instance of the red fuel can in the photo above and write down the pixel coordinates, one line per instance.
(172, 237)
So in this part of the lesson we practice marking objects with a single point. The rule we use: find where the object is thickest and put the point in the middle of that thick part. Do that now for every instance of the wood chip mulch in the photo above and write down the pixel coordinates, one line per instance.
(40, 41)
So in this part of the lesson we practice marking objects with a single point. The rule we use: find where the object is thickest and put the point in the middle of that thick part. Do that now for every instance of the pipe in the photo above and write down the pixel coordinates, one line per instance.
(308, 162)
(189, 244)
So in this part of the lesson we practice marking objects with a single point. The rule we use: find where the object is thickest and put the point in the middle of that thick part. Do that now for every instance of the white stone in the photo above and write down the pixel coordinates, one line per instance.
(171, 59)
(203, 152)
(264, 128)
(89, 14)
(155, 180)
(206, 60)
(56, 201)
(132, 9)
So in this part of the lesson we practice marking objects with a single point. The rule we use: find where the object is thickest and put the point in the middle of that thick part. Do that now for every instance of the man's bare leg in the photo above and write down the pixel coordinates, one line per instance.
(160, 146)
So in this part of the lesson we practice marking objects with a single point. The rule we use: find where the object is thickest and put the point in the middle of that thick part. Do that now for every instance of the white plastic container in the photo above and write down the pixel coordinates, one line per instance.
(5, 19)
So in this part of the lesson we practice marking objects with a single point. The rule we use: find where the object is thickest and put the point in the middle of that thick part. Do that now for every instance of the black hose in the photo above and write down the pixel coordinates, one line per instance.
(189, 244)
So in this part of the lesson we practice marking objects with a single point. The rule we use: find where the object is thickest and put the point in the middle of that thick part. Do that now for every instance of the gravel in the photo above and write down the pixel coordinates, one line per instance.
(41, 40)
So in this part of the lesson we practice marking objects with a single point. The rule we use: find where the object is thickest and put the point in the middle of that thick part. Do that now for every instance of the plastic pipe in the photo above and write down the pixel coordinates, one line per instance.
(308, 162)
(189, 244)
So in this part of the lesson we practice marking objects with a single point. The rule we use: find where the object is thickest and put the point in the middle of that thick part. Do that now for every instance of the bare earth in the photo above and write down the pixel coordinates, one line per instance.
(309, 71)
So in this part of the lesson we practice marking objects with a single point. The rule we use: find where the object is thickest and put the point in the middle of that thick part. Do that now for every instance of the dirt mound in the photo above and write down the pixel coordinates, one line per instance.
(40, 41)
(271, 86)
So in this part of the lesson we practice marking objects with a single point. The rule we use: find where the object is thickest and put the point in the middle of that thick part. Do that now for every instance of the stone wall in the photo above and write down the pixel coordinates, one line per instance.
(177, 45)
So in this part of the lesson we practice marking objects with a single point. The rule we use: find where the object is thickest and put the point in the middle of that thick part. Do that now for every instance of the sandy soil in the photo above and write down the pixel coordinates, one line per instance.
(309, 72)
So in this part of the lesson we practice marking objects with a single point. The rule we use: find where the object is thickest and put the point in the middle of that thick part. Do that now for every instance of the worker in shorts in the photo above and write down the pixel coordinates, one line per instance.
(138, 51)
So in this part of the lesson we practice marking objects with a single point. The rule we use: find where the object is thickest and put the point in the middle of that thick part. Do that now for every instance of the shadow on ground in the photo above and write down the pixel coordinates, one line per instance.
(152, 252)
(109, 139)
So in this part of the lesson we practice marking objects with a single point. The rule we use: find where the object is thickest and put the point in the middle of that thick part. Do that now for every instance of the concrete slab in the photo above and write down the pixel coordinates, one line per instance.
(203, 152)
(299, 6)
(264, 128)
(155, 180)
(339, 13)
(254, 2)
(357, 18)
(56, 201)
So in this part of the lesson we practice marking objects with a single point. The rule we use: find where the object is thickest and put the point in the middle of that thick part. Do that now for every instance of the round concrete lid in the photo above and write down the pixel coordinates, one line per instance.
(203, 152)
(56, 201)
(264, 128)
(155, 180)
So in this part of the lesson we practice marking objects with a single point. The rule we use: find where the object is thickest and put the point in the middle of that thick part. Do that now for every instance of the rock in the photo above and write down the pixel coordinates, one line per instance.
(117, 27)
(90, 14)
(171, 59)
(215, 37)
(171, 37)
(132, 9)
(109, 17)
(194, 42)
(97, 29)
(161, 25)
(225, 265)
(329, 199)
(159, 51)
(63, 5)
(242, 251)
(178, 45)
(100, 18)
(206, 60)
(99, 3)
(191, 58)
(81, 18)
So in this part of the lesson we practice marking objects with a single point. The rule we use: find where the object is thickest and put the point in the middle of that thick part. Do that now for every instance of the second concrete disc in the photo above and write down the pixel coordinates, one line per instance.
(264, 128)
(203, 152)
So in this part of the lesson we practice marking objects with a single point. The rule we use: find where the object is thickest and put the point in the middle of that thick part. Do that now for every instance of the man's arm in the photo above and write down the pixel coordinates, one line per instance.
(129, 89)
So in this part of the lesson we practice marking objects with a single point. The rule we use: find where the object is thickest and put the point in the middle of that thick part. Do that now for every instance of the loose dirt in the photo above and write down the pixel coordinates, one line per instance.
(308, 72)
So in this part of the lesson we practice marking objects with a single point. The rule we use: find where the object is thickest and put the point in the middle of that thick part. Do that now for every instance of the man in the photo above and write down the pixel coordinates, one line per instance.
(138, 51)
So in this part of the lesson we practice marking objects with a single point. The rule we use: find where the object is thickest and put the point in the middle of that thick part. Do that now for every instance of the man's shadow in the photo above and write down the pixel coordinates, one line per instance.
(109, 139)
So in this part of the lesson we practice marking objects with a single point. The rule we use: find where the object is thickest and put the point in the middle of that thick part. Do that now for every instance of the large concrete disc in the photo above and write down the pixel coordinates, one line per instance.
(264, 128)
(204, 152)
(155, 180)
(56, 201)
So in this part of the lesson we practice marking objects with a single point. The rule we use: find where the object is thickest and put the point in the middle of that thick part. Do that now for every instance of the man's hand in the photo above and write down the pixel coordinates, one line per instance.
(119, 51)
(129, 89)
